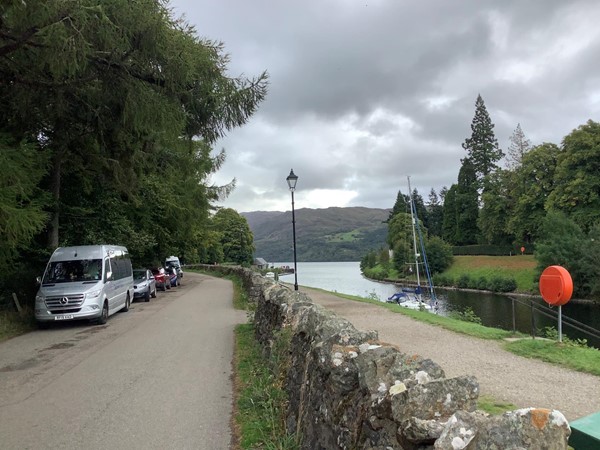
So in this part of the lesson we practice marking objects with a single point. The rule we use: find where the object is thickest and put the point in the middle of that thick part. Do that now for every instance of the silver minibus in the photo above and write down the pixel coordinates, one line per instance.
(84, 282)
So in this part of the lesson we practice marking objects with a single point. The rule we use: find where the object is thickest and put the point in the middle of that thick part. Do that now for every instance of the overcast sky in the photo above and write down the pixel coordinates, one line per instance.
(364, 93)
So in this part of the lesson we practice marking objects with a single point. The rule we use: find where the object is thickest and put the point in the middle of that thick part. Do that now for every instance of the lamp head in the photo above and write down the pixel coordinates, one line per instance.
(292, 179)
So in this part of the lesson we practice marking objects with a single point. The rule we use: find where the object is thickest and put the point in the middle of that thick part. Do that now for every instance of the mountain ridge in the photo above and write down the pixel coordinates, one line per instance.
(323, 234)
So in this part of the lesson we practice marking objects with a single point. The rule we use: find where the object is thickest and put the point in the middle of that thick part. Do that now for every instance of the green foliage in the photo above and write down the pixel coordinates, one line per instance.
(450, 219)
(368, 261)
(107, 116)
(518, 269)
(377, 272)
(435, 215)
(468, 315)
(464, 281)
(235, 236)
(261, 402)
(482, 147)
(492, 406)
(552, 333)
(14, 324)
(574, 357)
(564, 243)
(577, 176)
(501, 284)
(532, 183)
(21, 201)
(439, 254)
(487, 249)
(494, 214)
(482, 283)
(400, 206)
(519, 147)
(440, 279)
(467, 204)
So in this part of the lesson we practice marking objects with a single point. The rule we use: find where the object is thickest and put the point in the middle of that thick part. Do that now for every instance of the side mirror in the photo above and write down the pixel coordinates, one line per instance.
(108, 276)
(38, 280)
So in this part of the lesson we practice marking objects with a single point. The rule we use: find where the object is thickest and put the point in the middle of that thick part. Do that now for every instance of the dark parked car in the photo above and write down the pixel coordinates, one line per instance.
(163, 281)
(172, 273)
(144, 284)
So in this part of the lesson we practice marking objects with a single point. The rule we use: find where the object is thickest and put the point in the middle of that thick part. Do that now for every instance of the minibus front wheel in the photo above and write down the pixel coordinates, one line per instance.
(104, 316)
(127, 303)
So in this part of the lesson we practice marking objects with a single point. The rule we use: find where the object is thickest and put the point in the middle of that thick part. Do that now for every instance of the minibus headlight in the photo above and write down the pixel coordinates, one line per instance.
(93, 294)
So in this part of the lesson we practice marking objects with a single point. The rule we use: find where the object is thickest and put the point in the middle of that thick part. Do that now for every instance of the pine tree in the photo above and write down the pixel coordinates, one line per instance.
(435, 213)
(519, 145)
(467, 204)
(450, 221)
(401, 205)
(482, 147)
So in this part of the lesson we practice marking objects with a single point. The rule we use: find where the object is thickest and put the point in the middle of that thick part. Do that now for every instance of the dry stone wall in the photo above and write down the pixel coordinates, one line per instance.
(348, 390)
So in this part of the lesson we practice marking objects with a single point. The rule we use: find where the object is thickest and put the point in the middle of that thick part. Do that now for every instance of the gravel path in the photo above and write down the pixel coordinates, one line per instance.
(503, 375)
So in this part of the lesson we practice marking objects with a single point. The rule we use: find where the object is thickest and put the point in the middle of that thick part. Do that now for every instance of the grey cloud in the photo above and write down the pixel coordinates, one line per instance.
(354, 85)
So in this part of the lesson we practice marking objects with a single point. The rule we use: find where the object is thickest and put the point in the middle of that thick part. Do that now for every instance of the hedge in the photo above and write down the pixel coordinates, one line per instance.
(490, 250)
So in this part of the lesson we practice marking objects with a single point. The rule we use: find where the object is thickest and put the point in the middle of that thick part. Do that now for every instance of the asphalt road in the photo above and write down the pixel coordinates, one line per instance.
(156, 377)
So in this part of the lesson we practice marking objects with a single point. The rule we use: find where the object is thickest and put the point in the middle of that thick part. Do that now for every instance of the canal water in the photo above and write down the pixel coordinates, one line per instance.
(494, 310)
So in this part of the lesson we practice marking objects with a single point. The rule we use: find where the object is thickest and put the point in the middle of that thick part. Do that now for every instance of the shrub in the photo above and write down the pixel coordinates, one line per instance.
(464, 281)
(468, 315)
(552, 333)
(491, 250)
(502, 284)
(439, 254)
(377, 273)
(473, 283)
(442, 280)
(482, 283)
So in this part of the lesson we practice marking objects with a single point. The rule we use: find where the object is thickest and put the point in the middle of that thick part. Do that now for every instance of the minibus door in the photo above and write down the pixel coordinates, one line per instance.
(109, 285)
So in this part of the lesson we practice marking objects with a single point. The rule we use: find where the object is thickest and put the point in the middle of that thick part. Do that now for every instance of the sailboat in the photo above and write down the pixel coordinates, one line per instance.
(408, 297)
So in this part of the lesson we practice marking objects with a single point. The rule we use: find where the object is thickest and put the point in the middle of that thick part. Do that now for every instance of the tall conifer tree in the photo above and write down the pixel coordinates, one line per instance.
(482, 147)
(519, 145)
(467, 205)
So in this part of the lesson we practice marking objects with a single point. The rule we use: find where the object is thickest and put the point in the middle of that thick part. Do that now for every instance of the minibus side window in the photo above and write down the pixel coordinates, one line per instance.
(106, 269)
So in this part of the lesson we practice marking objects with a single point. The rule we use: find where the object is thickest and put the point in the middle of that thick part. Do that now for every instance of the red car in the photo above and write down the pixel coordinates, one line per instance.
(163, 281)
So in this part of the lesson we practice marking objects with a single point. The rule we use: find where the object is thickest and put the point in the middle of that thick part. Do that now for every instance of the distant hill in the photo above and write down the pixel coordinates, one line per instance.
(331, 234)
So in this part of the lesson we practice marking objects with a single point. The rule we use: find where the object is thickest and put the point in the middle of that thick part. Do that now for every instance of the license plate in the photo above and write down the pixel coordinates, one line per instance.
(64, 317)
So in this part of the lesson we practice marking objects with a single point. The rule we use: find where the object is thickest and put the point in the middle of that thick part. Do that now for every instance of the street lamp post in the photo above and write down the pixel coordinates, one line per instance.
(292, 179)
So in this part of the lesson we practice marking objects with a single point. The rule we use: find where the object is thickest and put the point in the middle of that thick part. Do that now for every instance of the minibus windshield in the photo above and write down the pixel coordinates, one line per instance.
(73, 271)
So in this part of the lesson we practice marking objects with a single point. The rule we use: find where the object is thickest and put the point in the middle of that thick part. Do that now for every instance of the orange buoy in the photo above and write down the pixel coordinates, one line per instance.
(556, 285)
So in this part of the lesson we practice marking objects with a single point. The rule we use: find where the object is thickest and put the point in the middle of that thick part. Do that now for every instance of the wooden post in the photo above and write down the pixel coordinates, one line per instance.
(16, 300)
(513, 316)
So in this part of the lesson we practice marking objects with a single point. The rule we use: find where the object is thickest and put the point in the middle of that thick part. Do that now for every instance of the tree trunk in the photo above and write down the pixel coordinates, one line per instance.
(55, 189)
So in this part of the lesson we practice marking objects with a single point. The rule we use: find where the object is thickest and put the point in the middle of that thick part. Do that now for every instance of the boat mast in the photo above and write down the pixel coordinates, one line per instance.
(412, 217)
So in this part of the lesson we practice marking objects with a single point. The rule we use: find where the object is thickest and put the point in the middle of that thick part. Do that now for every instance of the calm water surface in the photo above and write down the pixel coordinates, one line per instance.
(494, 310)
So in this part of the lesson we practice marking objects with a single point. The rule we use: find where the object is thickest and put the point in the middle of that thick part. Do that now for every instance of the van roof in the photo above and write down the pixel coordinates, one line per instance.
(85, 252)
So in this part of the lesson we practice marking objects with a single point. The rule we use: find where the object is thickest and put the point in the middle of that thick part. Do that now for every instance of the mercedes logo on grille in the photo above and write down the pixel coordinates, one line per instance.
(64, 300)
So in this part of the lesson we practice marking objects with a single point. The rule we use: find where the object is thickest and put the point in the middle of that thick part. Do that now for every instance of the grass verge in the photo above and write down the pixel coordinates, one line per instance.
(519, 267)
(261, 400)
(579, 358)
(14, 324)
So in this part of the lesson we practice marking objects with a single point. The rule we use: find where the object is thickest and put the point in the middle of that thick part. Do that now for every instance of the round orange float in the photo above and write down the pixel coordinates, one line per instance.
(556, 285)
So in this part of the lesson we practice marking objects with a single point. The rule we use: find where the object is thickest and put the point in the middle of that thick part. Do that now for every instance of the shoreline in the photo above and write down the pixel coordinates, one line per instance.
(581, 301)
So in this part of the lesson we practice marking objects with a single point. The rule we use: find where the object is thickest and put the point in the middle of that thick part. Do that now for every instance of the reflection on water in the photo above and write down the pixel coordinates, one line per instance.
(493, 309)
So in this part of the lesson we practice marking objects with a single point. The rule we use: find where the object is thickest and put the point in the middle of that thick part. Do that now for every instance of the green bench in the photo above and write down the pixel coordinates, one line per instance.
(585, 433)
